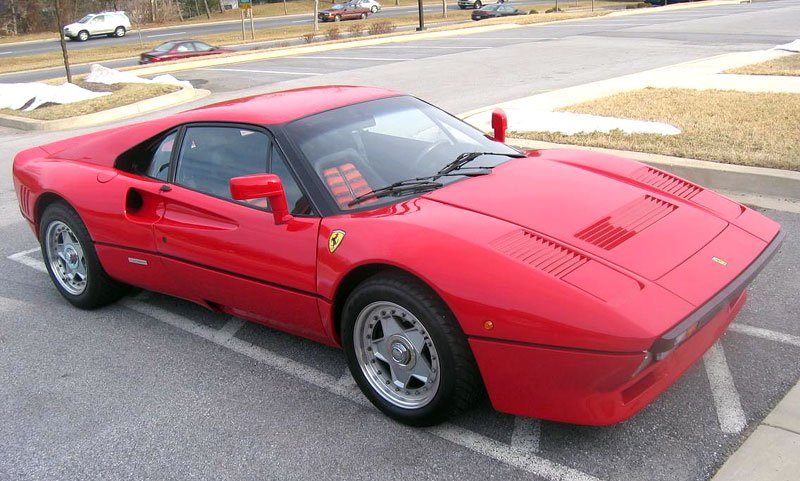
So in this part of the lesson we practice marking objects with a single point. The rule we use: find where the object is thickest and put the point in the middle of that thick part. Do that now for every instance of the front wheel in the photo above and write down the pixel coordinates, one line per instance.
(363, 16)
(374, 9)
(119, 32)
(407, 352)
(83, 35)
(337, 18)
(72, 262)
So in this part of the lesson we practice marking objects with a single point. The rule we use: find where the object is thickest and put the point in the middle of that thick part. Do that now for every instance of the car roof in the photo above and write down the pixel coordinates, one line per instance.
(286, 106)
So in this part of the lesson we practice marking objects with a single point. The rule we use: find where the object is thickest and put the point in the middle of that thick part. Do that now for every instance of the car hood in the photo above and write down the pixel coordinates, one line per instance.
(634, 226)
(73, 26)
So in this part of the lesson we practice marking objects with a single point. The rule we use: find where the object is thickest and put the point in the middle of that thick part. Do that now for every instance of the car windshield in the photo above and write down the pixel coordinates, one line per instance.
(370, 145)
(338, 6)
(85, 19)
(164, 47)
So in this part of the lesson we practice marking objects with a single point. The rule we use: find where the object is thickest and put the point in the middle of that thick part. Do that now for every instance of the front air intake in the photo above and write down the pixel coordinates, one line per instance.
(542, 254)
(626, 222)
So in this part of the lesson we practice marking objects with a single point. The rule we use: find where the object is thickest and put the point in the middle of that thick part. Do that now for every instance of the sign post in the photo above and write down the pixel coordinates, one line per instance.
(247, 5)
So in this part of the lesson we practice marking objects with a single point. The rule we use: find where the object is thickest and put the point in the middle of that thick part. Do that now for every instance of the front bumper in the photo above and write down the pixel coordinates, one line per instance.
(602, 388)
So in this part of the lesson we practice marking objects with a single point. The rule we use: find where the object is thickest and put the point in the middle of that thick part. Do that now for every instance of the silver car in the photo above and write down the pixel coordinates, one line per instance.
(373, 5)
(113, 24)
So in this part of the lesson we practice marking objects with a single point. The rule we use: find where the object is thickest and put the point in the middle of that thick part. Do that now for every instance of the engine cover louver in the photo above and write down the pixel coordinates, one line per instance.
(667, 183)
(545, 255)
(626, 222)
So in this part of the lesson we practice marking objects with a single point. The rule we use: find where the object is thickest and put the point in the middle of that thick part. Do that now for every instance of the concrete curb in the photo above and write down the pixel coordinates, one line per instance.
(183, 95)
(783, 184)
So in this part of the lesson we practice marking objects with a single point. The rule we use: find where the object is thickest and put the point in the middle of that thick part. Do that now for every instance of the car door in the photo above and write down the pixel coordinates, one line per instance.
(100, 25)
(184, 50)
(231, 255)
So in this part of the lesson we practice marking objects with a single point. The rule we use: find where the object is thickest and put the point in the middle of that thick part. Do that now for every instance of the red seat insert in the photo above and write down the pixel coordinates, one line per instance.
(346, 183)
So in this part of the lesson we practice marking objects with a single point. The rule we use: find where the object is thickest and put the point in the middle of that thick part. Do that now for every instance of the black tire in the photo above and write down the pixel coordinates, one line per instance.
(119, 32)
(478, 4)
(83, 36)
(458, 382)
(337, 18)
(374, 9)
(363, 16)
(100, 289)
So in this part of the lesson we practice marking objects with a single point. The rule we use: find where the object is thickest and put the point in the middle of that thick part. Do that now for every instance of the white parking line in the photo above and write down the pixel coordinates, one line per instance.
(279, 72)
(342, 387)
(22, 258)
(377, 59)
(165, 34)
(6, 53)
(765, 334)
(526, 435)
(726, 399)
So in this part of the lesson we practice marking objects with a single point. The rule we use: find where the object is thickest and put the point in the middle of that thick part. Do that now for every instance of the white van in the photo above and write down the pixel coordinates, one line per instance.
(113, 24)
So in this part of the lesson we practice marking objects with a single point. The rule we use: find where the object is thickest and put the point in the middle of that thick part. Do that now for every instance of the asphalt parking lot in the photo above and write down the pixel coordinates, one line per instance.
(154, 387)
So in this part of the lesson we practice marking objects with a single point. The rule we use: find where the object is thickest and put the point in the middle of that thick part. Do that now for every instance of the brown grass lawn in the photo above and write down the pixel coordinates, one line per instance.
(758, 129)
(122, 94)
(788, 65)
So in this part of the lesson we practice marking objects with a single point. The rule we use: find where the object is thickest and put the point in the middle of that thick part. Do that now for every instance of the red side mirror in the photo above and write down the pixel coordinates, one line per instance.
(258, 186)
(499, 124)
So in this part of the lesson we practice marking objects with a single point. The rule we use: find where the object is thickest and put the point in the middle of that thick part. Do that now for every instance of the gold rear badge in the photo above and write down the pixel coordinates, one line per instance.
(335, 240)
(719, 261)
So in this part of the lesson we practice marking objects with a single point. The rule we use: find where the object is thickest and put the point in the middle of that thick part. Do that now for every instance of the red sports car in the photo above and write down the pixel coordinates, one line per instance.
(180, 49)
(568, 285)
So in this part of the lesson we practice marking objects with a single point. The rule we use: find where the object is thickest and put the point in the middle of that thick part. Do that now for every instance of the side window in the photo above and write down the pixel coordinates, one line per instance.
(211, 156)
(202, 47)
(298, 203)
(159, 164)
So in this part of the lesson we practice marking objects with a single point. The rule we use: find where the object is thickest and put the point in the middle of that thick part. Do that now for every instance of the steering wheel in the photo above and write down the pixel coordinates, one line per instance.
(427, 150)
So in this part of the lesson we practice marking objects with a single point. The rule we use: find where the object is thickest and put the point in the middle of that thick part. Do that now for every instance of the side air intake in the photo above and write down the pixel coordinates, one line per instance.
(542, 254)
(667, 183)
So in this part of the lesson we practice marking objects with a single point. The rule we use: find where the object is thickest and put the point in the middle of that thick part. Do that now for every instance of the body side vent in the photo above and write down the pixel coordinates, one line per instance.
(626, 222)
(667, 183)
(545, 255)
(25, 200)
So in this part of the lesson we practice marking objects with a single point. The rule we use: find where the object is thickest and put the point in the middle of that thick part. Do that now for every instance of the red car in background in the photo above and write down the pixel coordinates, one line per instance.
(569, 285)
(343, 11)
(179, 49)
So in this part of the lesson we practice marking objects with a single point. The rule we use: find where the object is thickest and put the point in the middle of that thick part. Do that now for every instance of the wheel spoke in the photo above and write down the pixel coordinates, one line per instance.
(422, 370)
(380, 349)
(400, 376)
(390, 326)
(416, 338)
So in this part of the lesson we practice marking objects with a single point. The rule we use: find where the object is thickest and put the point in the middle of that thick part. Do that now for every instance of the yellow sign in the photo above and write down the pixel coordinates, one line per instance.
(335, 240)
(245, 4)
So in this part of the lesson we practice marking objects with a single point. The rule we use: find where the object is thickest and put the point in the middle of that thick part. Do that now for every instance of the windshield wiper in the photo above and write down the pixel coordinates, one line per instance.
(409, 186)
(467, 157)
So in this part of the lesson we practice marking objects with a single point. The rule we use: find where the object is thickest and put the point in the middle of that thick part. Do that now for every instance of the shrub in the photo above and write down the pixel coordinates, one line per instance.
(533, 12)
(333, 33)
(552, 10)
(309, 37)
(355, 30)
(379, 28)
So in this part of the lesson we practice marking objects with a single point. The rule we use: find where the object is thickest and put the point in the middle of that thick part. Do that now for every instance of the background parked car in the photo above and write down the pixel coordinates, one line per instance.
(476, 4)
(343, 11)
(178, 49)
(496, 10)
(373, 5)
(113, 24)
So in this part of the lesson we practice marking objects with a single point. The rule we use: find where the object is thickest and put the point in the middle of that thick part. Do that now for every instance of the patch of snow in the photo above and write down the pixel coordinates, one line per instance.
(571, 123)
(789, 47)
(28, 96)
(109, 76)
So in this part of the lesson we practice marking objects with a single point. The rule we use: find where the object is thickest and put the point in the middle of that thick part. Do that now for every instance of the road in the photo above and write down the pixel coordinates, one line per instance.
(154, 387)
(198, 31)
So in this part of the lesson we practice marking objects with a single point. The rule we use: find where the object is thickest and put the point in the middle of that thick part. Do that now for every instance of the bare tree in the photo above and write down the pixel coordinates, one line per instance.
(63, 43)
(208, 12)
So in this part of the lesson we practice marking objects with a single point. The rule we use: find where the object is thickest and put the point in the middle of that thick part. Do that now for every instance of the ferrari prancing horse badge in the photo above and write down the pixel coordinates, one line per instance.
(335, 240)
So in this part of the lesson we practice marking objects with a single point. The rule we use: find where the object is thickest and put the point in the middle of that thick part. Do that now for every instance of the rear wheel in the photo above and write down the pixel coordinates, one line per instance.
(363, 16)
(478, 4)
(83, 35)
(337, 18)
(72, 262)
(374, 9)
(119, 32)
(407, 352)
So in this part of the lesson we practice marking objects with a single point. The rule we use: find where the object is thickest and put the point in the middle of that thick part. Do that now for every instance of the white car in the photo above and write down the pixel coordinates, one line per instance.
(113, 24)
(372, 5)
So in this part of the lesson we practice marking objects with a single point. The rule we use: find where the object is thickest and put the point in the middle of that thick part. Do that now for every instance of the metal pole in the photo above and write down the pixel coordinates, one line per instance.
(421, 17)
(252, 26)
(316, 15)
(241, 14)
(63, 43)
